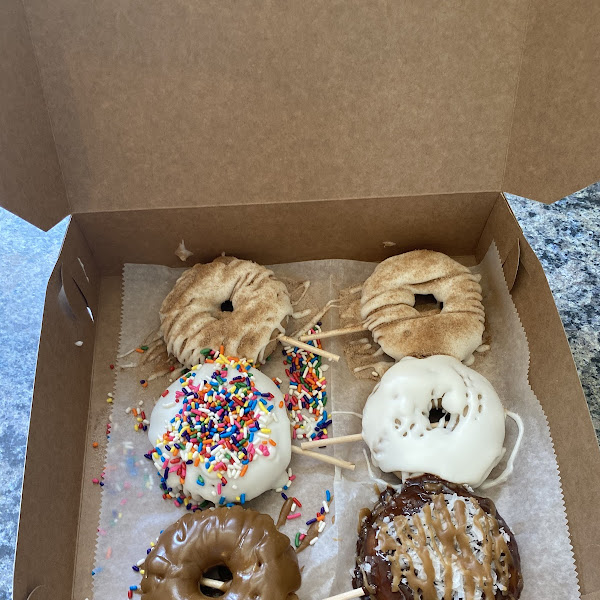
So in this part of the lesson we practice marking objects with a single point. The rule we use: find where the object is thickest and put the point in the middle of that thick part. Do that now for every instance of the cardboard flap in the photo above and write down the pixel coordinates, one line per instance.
(161, 104)
(61, 403)
(31, 182)
(196, 104)
(510, 264)
(554, 141)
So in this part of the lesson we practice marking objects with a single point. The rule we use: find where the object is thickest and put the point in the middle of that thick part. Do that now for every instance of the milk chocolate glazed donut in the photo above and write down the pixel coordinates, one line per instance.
(260, 558)
(433, 540)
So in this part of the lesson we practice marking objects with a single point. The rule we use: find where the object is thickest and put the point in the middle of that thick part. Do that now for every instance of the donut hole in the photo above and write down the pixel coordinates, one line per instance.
(217, 573)
(436, 414)
(227, 306)
(440, 417)
(425, 303)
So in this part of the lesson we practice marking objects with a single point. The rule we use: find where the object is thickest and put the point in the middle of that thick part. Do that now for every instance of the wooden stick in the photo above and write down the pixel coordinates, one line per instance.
(342, 439)
(338, 462)
(284, 339)
(215, 584)
(348, 595)
(333, 333)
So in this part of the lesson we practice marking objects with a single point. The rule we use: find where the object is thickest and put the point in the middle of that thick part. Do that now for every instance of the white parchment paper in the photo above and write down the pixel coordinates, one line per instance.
(133, 511)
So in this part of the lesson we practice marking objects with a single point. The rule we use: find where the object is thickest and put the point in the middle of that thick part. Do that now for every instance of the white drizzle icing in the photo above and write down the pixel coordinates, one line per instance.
(396, 423)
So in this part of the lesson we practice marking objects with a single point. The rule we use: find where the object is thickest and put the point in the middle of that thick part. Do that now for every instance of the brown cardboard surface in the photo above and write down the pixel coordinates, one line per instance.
(55, 449)
(105, 351)
(30, 175)
(554, 140)
(214, 103)
(183, 104)
(211, 112)
(295, 231)
(65, 376)
(553, 377)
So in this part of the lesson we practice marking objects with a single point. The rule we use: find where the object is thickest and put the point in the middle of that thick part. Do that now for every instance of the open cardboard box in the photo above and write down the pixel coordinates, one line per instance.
(279, 133)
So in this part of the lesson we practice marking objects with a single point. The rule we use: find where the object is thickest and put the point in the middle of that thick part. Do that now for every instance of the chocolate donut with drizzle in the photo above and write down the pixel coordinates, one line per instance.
(436, 540)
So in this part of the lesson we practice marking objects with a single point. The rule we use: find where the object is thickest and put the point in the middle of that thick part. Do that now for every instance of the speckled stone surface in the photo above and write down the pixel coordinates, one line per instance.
(27, 257)
(566, 237)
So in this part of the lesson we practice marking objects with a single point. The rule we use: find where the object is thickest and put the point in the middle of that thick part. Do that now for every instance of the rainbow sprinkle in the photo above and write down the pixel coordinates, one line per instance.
(318, 521)
(141, 422)
(222, 424)
(307, 396)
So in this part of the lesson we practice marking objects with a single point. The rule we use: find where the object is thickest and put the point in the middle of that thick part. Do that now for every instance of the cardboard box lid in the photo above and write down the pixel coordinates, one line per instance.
(158, 104)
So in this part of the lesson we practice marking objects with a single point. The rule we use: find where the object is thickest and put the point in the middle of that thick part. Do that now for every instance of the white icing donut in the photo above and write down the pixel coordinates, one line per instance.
(396, 426)
(264, 436)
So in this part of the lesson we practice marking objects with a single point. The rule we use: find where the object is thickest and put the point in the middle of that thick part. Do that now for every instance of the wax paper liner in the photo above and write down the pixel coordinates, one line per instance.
(133, 511)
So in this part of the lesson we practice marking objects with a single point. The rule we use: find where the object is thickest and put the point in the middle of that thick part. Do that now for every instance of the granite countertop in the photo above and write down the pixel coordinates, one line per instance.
(565, 236)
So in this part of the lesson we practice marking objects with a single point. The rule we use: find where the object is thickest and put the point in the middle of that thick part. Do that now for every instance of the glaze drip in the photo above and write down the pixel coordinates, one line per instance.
(450, 549)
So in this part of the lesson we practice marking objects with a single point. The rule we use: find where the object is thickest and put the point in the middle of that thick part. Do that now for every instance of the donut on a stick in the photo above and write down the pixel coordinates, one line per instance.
(436, 539)
(260, 559)
(237, 304)
(387, 307)
(462, 444)
(221, 433)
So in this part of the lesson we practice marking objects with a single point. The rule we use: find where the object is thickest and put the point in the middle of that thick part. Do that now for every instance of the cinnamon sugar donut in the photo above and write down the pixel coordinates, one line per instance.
(233, 303)
(260, 558)
(388, 300)
(436, 540)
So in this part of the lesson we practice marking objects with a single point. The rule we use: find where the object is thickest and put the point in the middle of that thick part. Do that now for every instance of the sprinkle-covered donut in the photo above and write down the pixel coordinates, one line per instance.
(220, 433)
(436, 540)
(388, 306)
(465, 441)
(260, 558)
(233, 303)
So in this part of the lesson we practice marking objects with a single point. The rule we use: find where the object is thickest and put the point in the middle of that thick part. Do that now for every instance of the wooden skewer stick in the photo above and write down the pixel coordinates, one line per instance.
(215, 584)
(297, 344)
(333, 333)
(348, 595)
(338, 462)
(342, 439)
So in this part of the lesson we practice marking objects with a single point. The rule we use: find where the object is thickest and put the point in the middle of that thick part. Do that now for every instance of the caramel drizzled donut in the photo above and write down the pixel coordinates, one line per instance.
(260, 558)
(233, 303)
(388, 300)
(436, 540)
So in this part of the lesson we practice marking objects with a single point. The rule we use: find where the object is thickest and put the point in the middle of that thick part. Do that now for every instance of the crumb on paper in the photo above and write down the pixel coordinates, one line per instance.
(388, 244)
(182, 252)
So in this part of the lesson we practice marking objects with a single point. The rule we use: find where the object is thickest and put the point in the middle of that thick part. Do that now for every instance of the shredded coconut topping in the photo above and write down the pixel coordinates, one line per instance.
(450, 549)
